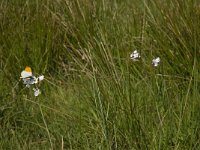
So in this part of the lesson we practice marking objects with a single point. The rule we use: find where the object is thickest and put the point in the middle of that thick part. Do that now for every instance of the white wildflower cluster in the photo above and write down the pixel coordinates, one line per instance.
(135, 56)
(36, 91)
(29, 79)
(156, 61)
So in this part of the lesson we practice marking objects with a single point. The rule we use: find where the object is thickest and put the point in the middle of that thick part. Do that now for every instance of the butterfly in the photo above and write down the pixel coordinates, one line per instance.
(28, 77)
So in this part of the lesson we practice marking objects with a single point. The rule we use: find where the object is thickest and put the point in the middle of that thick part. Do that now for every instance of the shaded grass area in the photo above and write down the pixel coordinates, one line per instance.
(94, 96)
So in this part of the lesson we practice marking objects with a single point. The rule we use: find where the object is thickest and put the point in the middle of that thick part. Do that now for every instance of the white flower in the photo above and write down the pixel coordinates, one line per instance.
(40, 78)
(36, 91)
(28, 85)
(156, 61)
(135, 55)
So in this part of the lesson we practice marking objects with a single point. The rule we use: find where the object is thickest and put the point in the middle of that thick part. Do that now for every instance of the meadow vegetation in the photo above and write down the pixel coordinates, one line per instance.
(94, 96)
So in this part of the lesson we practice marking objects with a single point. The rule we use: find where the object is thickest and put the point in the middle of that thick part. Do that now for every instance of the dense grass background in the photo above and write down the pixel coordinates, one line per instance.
(94, 96)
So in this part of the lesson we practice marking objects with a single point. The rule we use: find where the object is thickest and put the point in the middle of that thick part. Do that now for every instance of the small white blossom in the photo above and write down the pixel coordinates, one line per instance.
(28, 85)
(135, 55)
(40, 78)
(156, 61)
(36, 91)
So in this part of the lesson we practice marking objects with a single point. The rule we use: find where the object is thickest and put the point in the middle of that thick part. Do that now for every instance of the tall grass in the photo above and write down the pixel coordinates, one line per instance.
(94, 96)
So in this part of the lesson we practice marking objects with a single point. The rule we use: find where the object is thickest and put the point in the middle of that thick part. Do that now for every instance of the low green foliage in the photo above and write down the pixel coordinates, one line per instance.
(94, 96)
